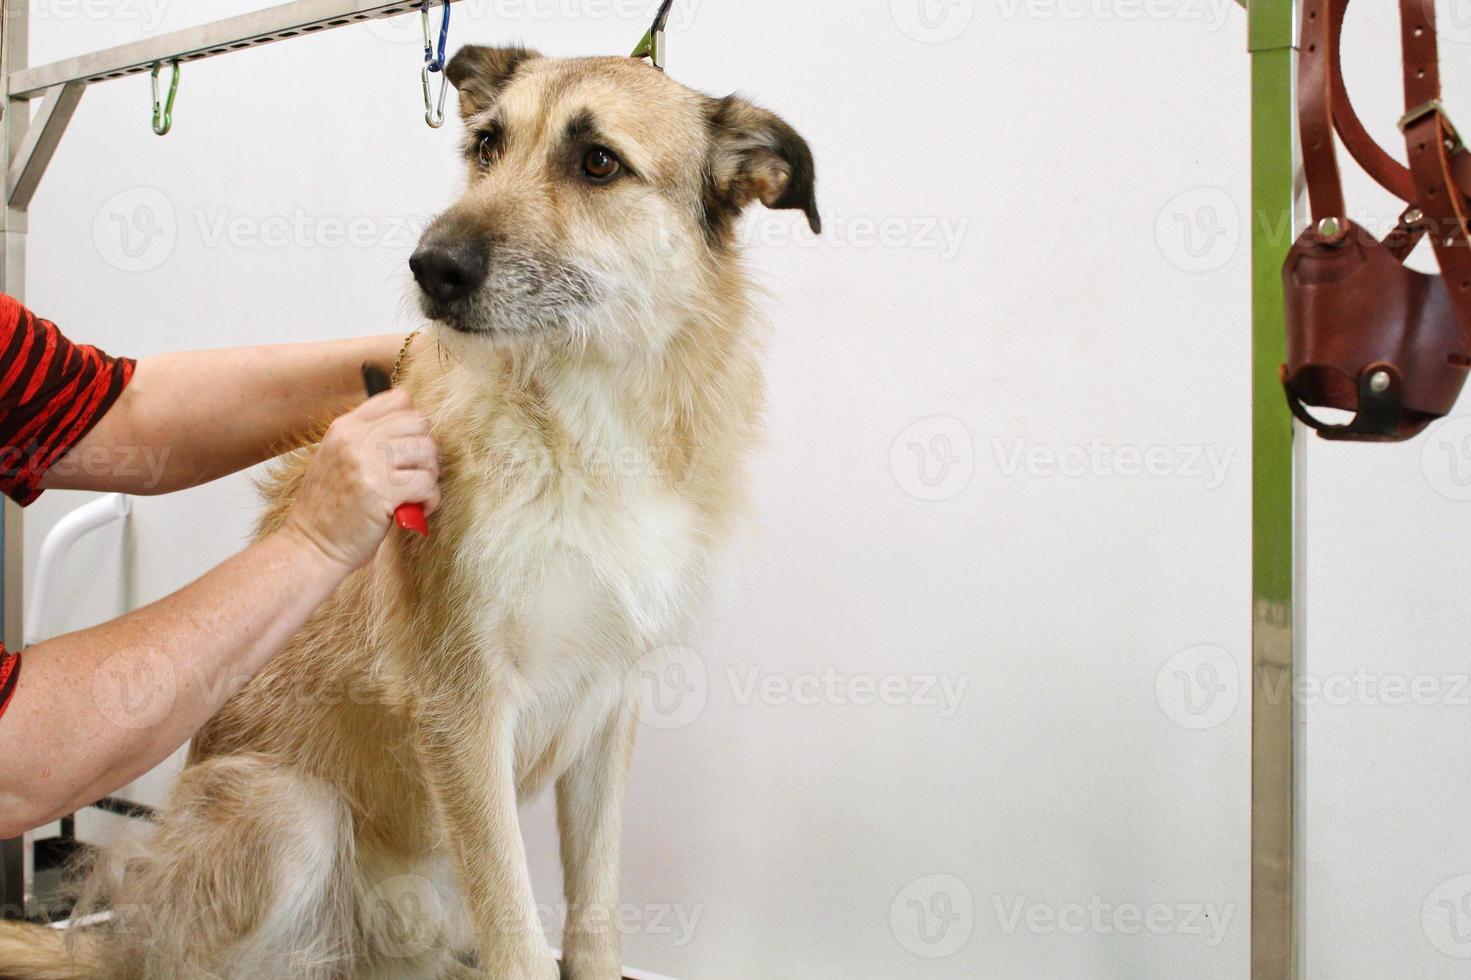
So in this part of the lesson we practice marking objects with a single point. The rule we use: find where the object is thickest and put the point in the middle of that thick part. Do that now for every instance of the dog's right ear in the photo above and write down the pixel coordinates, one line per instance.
(479, 73)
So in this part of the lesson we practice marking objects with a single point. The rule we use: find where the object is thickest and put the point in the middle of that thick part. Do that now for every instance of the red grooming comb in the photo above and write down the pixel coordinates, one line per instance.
(410, 517)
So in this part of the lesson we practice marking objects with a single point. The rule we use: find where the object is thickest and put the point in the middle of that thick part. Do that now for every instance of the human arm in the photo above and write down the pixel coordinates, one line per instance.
(189, 418)
(93, 710)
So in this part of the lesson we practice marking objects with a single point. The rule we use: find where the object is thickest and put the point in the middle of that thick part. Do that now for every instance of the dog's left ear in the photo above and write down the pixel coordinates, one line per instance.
(480, 73)
(755, 155)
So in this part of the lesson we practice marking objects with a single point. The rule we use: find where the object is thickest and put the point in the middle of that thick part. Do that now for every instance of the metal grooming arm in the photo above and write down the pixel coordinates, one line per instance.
(26, 149)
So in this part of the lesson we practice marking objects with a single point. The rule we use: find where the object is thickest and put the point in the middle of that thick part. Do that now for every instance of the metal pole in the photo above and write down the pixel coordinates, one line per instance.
(1276, 773)
(14, 51)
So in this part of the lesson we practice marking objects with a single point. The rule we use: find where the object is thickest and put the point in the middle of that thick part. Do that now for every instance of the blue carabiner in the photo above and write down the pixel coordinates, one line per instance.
(431, 61)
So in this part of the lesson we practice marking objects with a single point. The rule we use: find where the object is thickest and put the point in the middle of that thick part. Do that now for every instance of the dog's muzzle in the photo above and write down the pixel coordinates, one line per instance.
(448, 274)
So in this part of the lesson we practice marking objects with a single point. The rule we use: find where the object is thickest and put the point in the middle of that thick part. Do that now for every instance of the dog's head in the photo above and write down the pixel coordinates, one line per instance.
(602, 195)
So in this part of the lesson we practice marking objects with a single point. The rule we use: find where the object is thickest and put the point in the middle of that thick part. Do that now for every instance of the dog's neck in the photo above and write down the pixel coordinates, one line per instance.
(689, 409)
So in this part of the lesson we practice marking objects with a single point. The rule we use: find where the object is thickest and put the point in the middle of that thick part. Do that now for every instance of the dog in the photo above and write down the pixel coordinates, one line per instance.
(592, 370)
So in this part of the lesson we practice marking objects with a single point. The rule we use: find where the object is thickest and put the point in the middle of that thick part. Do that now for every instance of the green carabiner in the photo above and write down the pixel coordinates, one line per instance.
(163, 113)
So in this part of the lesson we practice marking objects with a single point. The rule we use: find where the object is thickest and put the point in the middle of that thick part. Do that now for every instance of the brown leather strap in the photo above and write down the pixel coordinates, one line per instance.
(1438, 179)
(1377, 163)
(1432, 143)
(1315, 112)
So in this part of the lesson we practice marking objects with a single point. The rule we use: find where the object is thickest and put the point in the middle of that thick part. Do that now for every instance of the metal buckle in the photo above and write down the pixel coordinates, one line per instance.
(1433, 107)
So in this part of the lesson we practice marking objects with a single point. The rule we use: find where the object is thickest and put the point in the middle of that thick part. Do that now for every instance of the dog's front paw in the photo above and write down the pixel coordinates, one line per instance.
(540, 968)
(592, 961)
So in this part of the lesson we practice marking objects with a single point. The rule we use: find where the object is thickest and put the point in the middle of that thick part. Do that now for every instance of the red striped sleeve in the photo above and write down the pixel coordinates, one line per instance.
(52, 392)
(9, 677)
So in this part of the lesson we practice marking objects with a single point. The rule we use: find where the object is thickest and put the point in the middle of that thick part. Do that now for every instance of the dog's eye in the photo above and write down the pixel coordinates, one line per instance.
(486, 153)
(601, 165)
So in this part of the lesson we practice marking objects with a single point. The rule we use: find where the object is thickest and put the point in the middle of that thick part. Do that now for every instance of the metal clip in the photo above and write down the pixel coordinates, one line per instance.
(1433, 107)
(433, 110)
(434, 62)
(651, 45)
(163, 113)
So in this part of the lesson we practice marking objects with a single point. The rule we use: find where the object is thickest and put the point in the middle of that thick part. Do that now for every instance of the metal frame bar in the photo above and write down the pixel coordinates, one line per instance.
(1277, 951)
(42, 137)
(279, 23)
(26, 150)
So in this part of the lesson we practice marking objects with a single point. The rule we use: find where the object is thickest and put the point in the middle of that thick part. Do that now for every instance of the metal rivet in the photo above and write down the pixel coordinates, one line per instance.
(1414, 216)
(1379, 382)
(1329, 227)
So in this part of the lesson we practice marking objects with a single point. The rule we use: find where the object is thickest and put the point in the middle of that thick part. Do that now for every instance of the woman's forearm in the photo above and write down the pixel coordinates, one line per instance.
(96, 709)
(189, 418)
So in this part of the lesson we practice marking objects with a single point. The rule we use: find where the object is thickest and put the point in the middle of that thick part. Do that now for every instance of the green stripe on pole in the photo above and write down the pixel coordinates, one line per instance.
(1275, 937)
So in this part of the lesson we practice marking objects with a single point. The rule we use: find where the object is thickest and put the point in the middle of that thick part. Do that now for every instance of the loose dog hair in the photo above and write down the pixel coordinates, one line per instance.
(591, 369)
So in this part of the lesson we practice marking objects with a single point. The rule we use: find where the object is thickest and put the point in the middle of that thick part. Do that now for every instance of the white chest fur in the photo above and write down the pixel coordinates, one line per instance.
(585, 555)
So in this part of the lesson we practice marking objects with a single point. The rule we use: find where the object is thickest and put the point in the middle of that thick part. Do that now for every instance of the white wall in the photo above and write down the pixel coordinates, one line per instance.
(1061, 275)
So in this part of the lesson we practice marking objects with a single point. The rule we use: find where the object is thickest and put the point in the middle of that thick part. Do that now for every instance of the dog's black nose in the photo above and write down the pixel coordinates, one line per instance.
(449, 272)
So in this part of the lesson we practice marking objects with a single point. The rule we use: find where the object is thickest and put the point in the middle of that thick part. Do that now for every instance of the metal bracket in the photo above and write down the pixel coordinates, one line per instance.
(39, 144)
